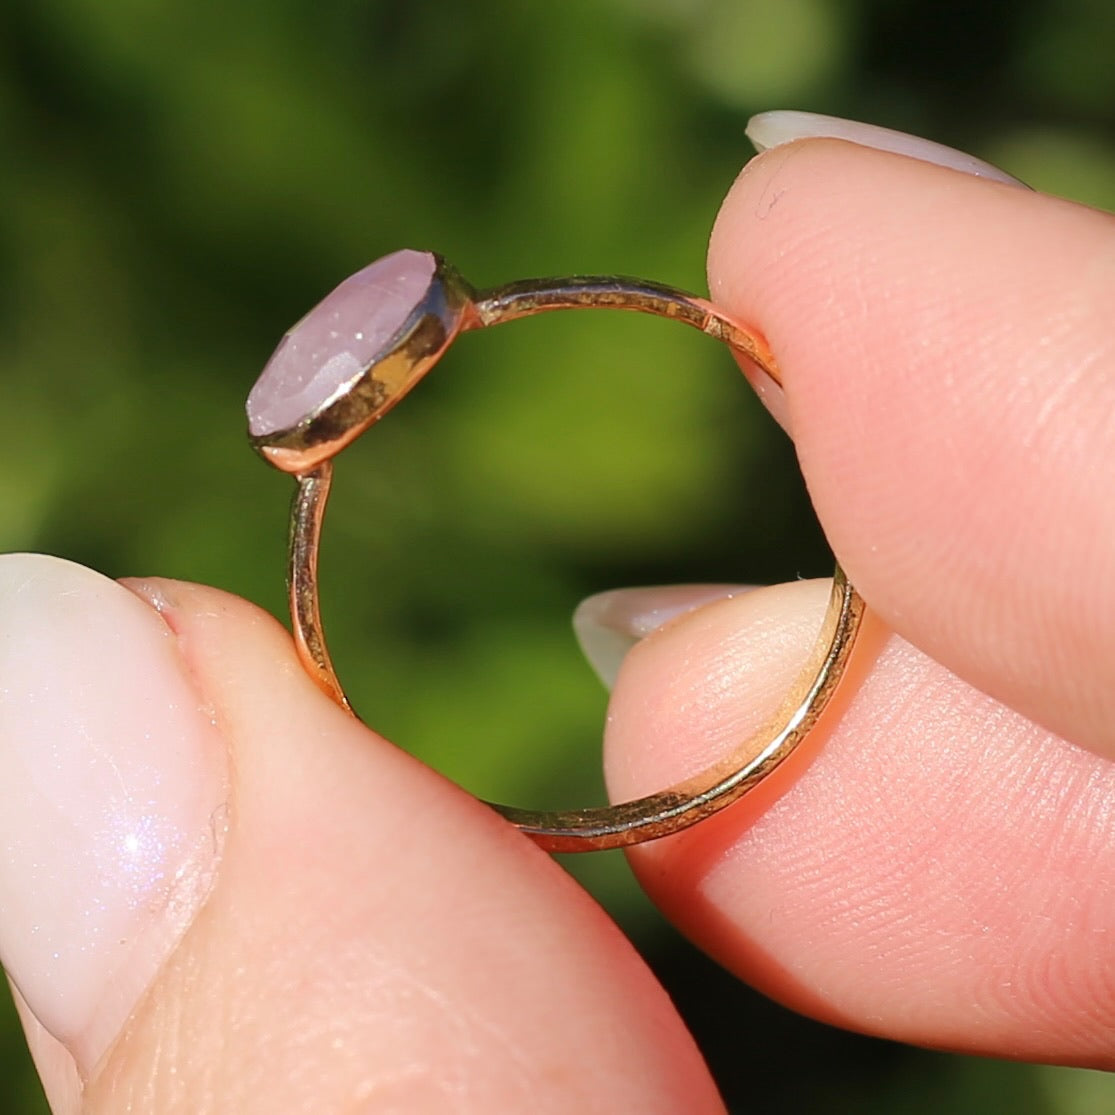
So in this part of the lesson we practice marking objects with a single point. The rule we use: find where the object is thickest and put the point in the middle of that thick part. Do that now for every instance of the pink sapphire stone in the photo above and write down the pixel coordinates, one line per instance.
(338, 340)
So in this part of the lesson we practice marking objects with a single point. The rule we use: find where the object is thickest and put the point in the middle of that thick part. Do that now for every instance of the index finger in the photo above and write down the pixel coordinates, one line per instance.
(949, 376)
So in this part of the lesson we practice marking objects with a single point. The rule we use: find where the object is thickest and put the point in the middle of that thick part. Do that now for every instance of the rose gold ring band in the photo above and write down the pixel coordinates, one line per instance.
(423, 305)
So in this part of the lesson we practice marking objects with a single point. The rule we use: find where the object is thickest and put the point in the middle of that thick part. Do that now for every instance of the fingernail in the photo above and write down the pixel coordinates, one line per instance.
(609, 624)
(772, 129)
(115, 784)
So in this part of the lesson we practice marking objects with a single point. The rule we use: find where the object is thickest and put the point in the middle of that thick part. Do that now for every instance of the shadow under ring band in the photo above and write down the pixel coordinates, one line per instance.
(356, 354)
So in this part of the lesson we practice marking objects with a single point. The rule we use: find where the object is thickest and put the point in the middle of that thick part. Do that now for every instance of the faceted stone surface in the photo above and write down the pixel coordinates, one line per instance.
(337, 340)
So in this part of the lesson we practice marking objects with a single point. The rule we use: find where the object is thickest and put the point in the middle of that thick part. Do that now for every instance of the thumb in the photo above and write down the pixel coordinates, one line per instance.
(215, 883)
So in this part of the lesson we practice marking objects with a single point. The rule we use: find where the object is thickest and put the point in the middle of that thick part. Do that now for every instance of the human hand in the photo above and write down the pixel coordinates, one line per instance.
(943, 872)
(222, 892)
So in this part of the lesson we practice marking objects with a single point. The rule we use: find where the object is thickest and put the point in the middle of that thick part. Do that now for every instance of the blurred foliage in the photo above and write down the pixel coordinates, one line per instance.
(182, 180)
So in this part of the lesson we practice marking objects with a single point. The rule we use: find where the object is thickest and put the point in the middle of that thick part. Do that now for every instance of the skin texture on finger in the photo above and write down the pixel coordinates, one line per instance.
(929, 867)
(949, 377)
(376, 939)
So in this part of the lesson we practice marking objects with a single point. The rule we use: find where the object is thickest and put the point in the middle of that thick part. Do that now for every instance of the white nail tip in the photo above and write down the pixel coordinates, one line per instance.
(114, 786)
(609, 624)
(772, 129)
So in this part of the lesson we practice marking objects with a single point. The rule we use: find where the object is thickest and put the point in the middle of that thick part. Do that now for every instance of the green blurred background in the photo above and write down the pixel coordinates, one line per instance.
(182, 180)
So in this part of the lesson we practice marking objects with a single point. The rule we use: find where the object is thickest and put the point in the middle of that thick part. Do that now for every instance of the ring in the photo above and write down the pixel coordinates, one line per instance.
(358, 352)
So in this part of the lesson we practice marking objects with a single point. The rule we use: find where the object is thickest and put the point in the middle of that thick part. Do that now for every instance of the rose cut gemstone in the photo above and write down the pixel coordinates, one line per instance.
(338, 340)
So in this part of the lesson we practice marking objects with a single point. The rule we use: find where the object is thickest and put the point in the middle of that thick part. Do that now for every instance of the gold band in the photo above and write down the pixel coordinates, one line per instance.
(449, 307)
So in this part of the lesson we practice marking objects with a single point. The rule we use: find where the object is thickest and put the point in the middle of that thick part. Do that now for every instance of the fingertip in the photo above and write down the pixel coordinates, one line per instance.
(927, 863)
(691, 692)
(379, 928)
(944, 347)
